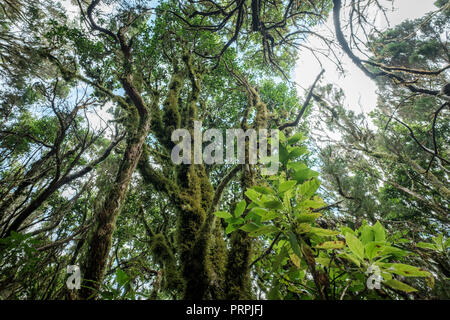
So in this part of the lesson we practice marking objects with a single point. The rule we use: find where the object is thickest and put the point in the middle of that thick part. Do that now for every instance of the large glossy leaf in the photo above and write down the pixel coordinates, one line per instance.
(355, 246)
(270, 216)
(374, 249)
(308, 188)
(350, 257)
(264, 230)
(263, 190)
(250, 227)
(331, 245)
(294, 244)
(345, 230)
(286, 185)
(393, 251)
(398, 285)
(314, 203)
(295, 260)
(323, 232)
(407, 270)
(254, 196)
(284, 154)
(258, 210)
(367, 234)
(425, 245)
(439, 241)
(301, 172)
(308, 217)
(239, 210)
(303, 228)
(296, 138)
(121, 277)
(223, 214)
(379, 232)
(297, 152)
(273, 204)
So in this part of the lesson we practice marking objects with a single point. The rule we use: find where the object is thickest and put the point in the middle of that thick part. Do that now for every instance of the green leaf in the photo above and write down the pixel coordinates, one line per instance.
(379, 231)
(331, 245)
(430, 282)
(386, 275)
(273, 204)
(367, 234)
(235, 221)
(251, 205)
(439, 241)
(223, 214)
(295, 260)
(397, 252)
(108, 295)
(279, 258)
(297, 152)
(296, 138)
(398, 285)
(286, 185)
(287, 197)
(355, 246)
(282, 137)
(296, 166)
(263, 190)
(254, 196)
(274, 292)
(294, 244)
(308, 188)
(345, 230)
(303, 174)
(259, 211)
(240, 207)
(351, 258)
(121, 277)
(323, 232)
(323, 261)
(314, 203)
(263, 230)
(231, 227)
(270, 216)
(250, 227)
(284, 154)
(308, 217)
(373, 249)
(252, 216)
(303, 228)
(407, 270)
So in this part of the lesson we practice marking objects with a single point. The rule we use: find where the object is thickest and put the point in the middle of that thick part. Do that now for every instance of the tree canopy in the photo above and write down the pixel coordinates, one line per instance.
(92, 93)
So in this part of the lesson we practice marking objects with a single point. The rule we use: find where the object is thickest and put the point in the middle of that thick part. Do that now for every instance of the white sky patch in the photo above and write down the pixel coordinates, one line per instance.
(97, 118)
(360, 90)
(71, 8)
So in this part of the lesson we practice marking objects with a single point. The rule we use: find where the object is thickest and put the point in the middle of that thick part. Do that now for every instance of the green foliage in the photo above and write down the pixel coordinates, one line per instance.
(333, 217)
(283, 212)
(439, 244)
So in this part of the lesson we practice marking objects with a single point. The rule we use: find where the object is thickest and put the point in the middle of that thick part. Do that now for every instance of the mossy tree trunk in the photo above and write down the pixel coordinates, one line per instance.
(101, 239)
(190, 189)
(237, 276)
(137, 125)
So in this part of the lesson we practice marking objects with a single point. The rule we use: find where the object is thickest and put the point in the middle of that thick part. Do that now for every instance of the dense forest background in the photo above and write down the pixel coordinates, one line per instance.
(89, 100)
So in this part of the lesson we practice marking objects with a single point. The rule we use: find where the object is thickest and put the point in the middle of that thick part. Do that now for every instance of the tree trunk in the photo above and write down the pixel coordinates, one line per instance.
(100, 243)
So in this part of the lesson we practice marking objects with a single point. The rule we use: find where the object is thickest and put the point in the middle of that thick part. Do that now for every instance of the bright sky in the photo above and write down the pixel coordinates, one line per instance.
(359, 89)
